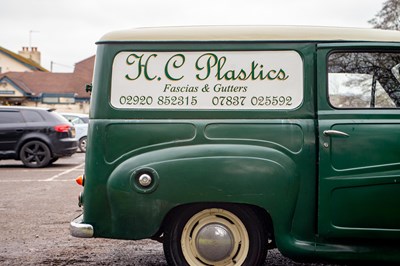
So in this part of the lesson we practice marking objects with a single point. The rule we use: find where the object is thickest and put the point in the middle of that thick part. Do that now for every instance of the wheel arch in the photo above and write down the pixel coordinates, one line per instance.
(261, 177)
(263, 215)
(81, 139)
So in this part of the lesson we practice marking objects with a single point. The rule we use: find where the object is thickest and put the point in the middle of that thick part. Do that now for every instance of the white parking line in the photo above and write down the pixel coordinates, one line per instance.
(46, 170)
(63, 173)
(51, 179)
(35, 180)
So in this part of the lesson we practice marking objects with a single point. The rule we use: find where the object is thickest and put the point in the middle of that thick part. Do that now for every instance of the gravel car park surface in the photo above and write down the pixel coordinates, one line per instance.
(36, 206)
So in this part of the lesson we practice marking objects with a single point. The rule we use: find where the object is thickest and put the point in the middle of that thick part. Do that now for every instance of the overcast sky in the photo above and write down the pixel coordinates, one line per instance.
(65, 31)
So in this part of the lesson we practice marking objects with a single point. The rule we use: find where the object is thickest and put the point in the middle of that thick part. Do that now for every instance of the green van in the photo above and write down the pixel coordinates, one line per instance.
(224, 142)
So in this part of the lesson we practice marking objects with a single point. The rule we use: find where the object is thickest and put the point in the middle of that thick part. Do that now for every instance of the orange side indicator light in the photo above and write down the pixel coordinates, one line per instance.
(79, 180)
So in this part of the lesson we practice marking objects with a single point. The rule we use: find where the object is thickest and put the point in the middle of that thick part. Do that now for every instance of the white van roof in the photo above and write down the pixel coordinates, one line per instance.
(252, 33)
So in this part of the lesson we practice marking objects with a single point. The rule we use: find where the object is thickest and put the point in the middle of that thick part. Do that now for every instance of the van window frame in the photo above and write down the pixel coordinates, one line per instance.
(108, 51)
(324, 50)
(376, 82)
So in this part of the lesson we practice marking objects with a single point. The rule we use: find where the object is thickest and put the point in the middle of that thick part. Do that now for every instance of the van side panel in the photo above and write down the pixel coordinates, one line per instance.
(247, 156)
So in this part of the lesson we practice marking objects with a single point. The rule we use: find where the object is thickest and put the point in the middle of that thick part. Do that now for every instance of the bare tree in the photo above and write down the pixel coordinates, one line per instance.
(388, 17)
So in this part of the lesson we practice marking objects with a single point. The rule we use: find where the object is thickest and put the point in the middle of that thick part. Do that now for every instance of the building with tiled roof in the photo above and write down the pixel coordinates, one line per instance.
(26, 60)
(62, 91)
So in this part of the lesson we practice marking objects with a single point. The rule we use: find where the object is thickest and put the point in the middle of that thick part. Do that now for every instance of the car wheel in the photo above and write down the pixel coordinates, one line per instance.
(54, 159)
(35, 154)
(82, 144)
(215, 235)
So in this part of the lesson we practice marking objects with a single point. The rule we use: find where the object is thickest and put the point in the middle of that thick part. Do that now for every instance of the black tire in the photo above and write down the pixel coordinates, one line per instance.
(54, 159)
(35, 154)
(245, 233)
(82, 144)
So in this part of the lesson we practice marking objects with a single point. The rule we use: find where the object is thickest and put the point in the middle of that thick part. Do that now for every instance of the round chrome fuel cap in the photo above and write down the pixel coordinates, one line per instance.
(145, 180)
(214, 242)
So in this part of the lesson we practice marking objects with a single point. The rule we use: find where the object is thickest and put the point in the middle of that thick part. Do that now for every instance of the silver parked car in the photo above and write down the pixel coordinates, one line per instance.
(81, 123)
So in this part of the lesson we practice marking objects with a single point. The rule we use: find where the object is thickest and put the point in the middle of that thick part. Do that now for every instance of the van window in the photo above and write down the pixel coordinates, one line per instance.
(230, 80)
(364, 80)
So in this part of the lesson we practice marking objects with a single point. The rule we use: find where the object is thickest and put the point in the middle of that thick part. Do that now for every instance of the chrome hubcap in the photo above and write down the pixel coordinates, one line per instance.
(214, 242)
(215, 237)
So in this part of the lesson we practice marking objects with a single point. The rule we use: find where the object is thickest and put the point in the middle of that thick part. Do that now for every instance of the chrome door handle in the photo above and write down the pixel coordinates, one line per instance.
(335, 133)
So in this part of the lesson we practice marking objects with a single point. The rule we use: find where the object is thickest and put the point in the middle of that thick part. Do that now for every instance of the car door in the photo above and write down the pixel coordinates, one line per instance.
(359, 141)
(12, 128)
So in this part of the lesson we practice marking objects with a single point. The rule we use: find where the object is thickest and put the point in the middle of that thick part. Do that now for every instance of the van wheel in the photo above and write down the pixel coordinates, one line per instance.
(215, 235)
(82, 144)
(35, 154)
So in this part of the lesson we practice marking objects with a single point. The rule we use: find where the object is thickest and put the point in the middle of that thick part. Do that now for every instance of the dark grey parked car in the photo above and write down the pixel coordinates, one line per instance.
(36, 136)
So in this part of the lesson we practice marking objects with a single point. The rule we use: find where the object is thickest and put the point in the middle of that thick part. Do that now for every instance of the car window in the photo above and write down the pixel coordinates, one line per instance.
(32, 116)
(8, 117)
(58, 116)
(69, 118)
(77, 121)
(85, 120)
(364, 80)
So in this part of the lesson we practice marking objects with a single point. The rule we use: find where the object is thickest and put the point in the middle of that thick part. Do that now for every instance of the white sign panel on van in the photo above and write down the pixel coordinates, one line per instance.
(233, 80)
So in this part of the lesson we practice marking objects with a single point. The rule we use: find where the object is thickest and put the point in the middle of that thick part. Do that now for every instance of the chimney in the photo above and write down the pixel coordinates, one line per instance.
(32, 54)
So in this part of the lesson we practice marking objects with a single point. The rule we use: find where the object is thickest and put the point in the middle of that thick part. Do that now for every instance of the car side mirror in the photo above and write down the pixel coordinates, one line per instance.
(89, 88)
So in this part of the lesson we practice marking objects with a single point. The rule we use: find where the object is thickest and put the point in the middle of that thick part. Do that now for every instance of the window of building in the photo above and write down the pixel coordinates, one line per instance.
(66, 100)
(56, 99)
(50, 99)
